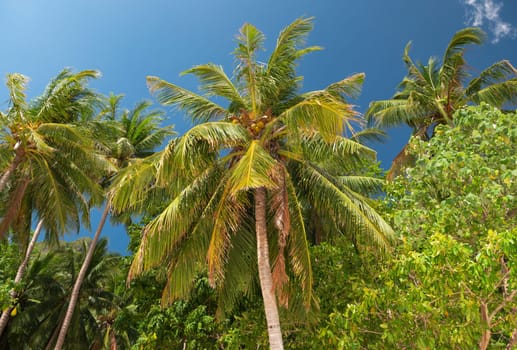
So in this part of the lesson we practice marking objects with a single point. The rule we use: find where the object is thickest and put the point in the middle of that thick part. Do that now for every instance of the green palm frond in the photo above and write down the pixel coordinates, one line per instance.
(198, 147)
(226, 220)
(17, 84)
(142, 128)
(462, 38)
(297, 245)
(389, 113)
(497, 94)
(370, 134)
(66, 99)
(54, 207)
(281, 66)
(348, 87)
(215, 82)
(165, 231)
(199, 108)
(111, 105)
(499, 71)
(317, 149)
(361, 184)
(414, 72)
(347, 208)
(131, 186)
(249, 41)
(253, 170)
(325, 115)
(191, 254)
(495, 85)
(240, 270)
(452, 72)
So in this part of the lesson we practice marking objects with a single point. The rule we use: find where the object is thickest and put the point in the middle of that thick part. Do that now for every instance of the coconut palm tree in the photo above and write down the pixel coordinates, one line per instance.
(43, 299)
(234, 178)
(140, 133)
(51, 165)
(430, 94)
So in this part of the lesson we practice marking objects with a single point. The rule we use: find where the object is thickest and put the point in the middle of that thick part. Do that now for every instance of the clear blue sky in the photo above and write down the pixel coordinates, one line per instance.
(128, 40)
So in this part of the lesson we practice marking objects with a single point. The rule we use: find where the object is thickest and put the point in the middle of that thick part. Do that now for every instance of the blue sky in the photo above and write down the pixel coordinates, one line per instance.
(128, 40)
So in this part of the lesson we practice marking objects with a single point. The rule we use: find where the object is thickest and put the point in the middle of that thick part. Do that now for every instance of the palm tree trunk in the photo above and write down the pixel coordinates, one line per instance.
(266, 280)
(80, 278)
(19, 274)
(14, 205)
(18, 158)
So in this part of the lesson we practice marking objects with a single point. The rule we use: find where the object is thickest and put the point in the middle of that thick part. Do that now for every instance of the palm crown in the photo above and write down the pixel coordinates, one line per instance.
(431, 93)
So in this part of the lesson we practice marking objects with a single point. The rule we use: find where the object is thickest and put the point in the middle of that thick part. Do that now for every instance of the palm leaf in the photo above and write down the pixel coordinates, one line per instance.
(297, 245)
(17, 83)
(253, 170)
(322, 114)
(346, 207)
(199, 108)
(348, 87)
(215, 82)
(495, 85)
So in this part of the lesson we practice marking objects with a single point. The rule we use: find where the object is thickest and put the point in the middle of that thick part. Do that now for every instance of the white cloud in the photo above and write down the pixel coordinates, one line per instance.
(480, 12)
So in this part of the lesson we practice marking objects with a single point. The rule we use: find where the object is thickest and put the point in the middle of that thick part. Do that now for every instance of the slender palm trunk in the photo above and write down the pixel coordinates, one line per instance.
(266, 280)
(19, 274)
(80, 278)
(18, 158)
(14, 205)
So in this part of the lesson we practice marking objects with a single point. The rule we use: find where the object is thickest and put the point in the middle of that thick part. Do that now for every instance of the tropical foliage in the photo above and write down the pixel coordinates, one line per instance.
(270, 199)
(453, 283)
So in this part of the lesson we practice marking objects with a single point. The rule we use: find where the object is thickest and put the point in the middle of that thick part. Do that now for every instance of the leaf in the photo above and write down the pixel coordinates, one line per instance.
(253, 170)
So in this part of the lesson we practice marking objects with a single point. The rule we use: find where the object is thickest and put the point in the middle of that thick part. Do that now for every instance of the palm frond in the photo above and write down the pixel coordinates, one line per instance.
(198, 147)
(348, 87)
(190, 254)
(240, 270)
(347, 208)
(174, 223)
(495, 85)
(199, 108)
(215, 82)
(253, 170)
(323, 114)
(66, 98)
(131, 186)
(282, 62)
(462, 38)
(226, 220)
(297, 245)
(497, 94)
(316, 149)
(369, 134)
(389, 113)
(17, 84)
(361, 184)
(249, 41)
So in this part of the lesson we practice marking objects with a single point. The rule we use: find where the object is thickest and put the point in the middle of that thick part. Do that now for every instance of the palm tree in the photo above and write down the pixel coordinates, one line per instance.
(140, 133)
(52, 165)
(430, 94)
(234, 178)
(43, 300)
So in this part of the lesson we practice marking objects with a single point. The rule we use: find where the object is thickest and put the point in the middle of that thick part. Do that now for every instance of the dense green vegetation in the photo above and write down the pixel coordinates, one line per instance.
(268, 223)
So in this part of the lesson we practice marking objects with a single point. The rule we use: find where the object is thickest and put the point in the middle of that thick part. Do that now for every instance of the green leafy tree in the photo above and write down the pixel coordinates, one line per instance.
(235, 179)
(430, 94)
(453, 283)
